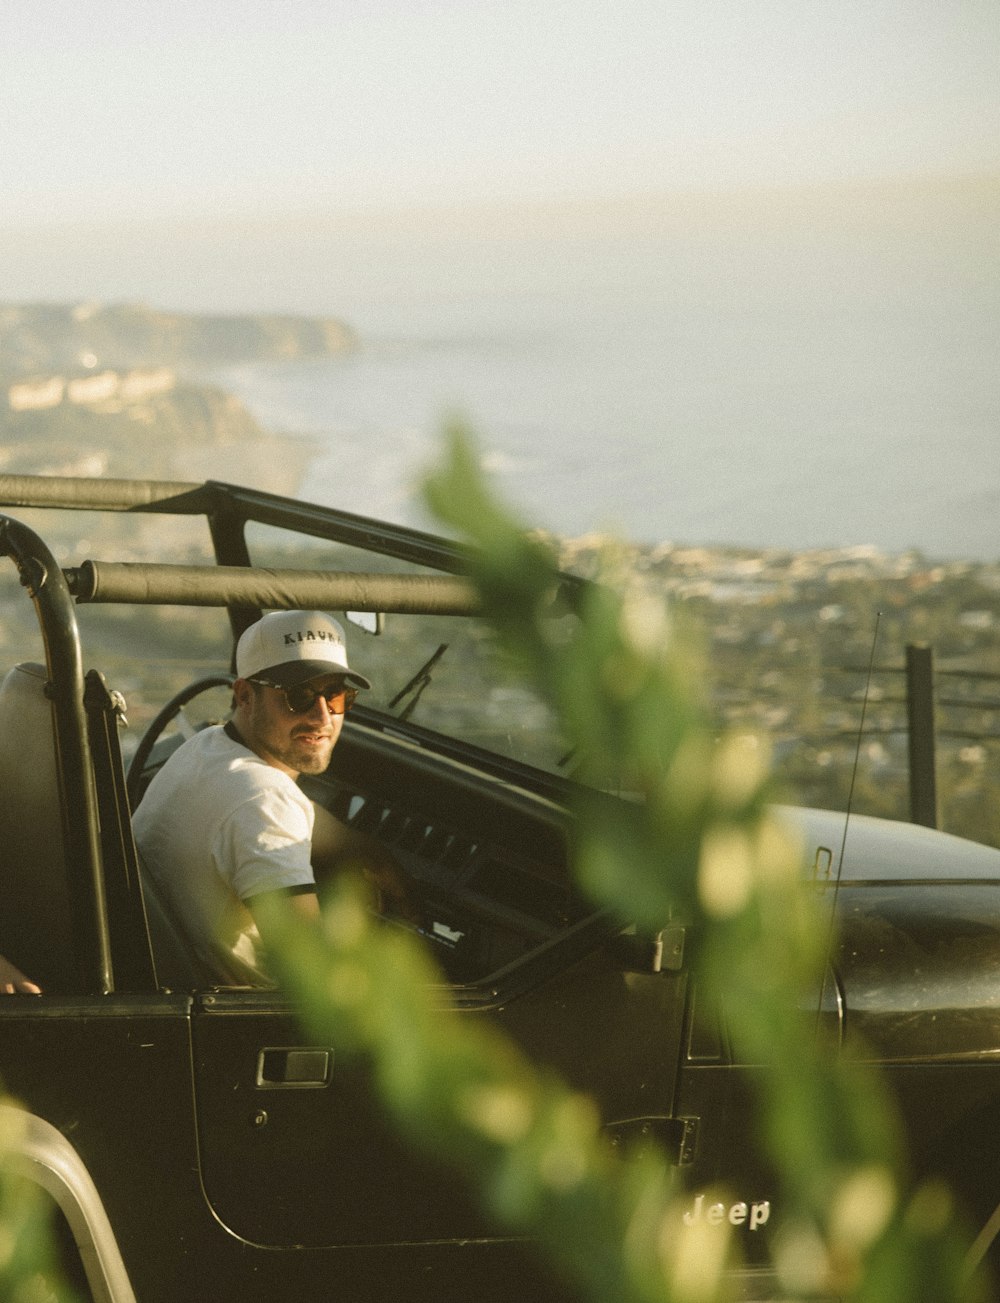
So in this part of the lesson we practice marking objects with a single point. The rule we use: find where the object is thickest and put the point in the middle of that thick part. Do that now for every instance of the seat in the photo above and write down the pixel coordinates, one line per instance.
(35, 927)
(36, 931)
(142, 924)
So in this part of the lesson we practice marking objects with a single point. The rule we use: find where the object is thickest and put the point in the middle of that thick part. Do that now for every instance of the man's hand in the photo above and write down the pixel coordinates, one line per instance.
(336, 846)
(14, 982)
(393, 893)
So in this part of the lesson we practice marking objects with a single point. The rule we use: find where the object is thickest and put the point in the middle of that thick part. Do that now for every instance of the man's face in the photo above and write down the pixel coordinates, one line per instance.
(298, 743)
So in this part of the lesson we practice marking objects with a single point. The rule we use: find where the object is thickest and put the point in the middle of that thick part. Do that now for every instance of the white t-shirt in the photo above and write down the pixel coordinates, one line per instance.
(216, 827)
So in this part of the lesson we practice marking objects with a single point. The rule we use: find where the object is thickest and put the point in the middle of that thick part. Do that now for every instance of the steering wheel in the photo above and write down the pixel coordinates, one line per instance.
(169, 712)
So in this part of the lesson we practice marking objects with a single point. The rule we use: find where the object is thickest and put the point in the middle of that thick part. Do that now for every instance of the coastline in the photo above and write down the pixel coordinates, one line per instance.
(121, 390)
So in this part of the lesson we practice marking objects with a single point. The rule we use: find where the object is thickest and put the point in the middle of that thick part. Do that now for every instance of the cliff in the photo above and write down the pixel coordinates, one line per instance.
(186, 432)
(40, 337)
(99, 389)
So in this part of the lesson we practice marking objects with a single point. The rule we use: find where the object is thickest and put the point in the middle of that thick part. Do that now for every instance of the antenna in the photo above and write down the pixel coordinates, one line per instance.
(847, 817)
(857, 753)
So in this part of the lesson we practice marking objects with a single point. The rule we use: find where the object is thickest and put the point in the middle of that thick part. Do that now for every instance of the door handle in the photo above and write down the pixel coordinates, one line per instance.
(294, 1068)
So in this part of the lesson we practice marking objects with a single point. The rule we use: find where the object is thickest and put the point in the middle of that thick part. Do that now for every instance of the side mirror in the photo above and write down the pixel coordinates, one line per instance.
(369, 621)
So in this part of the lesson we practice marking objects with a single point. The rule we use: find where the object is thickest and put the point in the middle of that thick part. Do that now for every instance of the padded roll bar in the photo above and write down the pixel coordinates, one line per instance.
(83, 494)
(114, 581)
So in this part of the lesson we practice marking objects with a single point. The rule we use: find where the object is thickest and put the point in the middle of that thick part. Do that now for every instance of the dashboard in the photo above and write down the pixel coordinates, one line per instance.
(488, 858)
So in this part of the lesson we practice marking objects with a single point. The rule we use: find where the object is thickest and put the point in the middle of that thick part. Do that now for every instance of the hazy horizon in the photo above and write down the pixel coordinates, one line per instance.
(222, 263)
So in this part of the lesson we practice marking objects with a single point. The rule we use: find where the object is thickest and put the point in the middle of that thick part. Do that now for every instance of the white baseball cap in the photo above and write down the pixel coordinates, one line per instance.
(289, 647)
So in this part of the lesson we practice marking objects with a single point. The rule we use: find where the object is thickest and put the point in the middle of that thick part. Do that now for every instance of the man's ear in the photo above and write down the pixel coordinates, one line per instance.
(242, 692)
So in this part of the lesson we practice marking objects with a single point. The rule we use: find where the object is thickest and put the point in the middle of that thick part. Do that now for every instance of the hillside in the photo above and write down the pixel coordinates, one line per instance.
(98, 389)
(185, 432)
(42, 337)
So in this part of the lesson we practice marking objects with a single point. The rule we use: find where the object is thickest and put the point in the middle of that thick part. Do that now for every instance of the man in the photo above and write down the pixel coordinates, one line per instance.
(224, 824)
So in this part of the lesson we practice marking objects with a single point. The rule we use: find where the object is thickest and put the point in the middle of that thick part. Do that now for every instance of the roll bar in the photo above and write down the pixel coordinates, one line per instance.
(82, 493)
(270, 589)
(227, 508)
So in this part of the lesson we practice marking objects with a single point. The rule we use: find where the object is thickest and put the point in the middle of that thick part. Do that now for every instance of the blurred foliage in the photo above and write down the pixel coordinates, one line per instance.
(695, 843)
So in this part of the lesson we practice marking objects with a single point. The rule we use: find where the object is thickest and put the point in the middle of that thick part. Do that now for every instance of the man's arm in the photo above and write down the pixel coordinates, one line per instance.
(304, 903)
(336, 846)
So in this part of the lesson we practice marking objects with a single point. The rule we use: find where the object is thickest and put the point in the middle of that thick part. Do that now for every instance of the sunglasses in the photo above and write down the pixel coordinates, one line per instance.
(301, 698)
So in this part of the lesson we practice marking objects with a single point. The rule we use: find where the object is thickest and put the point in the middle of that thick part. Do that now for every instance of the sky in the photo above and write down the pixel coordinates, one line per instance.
(116, 110)
(417, 165)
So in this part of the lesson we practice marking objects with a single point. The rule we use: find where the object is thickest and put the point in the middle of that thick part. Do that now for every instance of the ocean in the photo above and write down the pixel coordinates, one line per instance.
(821, 372)
(804, 390)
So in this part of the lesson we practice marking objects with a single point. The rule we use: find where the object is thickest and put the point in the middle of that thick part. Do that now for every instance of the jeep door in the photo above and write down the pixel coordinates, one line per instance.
(294, 1147)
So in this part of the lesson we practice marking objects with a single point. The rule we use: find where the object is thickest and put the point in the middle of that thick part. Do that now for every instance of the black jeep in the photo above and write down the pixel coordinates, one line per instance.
(196, 1146)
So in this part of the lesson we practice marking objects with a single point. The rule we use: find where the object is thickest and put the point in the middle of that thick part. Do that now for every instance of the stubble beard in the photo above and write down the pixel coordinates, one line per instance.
(314, 760)
(288, 749)
(304, 758)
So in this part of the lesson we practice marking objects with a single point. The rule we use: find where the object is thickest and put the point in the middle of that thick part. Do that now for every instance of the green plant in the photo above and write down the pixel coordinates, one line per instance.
(695, 842)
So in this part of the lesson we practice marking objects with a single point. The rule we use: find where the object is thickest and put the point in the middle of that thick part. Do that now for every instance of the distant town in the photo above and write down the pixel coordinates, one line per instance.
(805, 647)
(117, 388)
